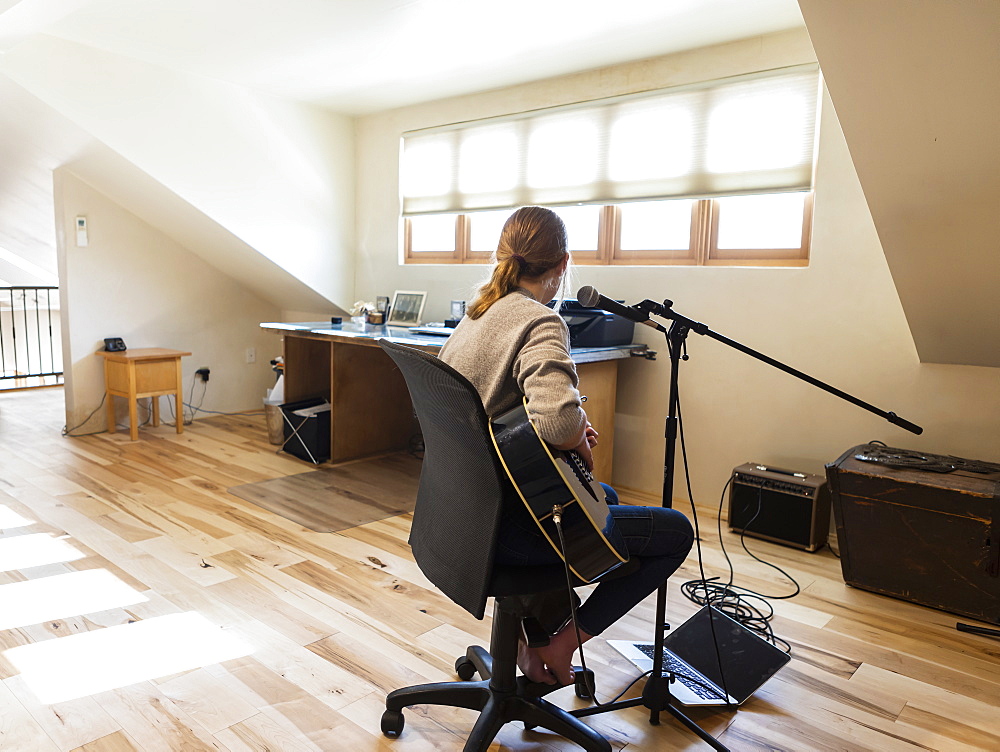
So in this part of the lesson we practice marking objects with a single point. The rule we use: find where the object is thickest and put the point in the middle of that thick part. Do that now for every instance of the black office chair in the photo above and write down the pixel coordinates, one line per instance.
(462, 490)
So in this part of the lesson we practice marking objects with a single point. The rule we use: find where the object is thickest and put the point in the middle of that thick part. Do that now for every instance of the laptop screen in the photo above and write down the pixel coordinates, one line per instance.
(747, 660)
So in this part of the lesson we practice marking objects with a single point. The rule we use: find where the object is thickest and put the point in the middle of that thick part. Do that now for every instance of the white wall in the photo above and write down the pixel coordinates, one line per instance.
(838, 320)
(135, 282)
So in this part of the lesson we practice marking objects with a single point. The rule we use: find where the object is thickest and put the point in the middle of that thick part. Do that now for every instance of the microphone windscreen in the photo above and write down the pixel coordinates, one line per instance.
(588, 297)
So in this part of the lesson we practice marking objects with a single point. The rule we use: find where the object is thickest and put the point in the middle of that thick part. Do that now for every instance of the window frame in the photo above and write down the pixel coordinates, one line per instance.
(690, 256)
(455, 255)
(702, 251)
(761, 256)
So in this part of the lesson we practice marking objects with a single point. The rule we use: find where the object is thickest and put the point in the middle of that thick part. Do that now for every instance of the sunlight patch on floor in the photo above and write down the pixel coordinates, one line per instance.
(63, 595)
(35, 550)
(9, 519)
(67, 668)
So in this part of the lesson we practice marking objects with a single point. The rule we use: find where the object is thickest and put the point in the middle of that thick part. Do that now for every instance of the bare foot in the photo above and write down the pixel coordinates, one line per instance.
(532, 665)
(558, 654)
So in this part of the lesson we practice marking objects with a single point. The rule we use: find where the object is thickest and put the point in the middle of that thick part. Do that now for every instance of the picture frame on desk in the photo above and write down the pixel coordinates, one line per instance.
(407, 308)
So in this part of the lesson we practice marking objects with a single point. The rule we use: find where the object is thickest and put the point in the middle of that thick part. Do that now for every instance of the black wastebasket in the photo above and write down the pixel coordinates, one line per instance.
(307, 429)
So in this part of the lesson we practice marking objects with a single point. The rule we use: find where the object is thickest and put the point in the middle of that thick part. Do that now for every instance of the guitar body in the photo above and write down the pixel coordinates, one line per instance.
(544, 478)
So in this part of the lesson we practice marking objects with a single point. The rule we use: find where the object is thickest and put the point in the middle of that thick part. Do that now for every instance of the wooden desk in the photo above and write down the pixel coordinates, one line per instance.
(143, 372)
(371, 410)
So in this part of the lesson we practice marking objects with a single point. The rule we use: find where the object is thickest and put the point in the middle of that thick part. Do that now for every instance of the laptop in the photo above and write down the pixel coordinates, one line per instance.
(747, 660)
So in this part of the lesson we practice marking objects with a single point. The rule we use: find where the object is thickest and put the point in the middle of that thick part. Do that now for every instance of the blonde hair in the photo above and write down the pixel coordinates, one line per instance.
(532, 241)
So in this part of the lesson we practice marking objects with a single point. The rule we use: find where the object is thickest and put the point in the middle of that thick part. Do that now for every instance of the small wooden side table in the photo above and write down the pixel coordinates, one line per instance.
(143, 372)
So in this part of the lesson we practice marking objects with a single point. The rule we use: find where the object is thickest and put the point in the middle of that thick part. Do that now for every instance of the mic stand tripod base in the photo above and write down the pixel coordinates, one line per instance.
(656, 697)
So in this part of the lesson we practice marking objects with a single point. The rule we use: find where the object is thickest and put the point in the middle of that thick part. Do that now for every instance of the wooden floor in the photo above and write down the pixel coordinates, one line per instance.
(142, 607)
(29, 382)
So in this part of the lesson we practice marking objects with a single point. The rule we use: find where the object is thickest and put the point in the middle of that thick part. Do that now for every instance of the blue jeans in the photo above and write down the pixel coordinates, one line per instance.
(660, 538)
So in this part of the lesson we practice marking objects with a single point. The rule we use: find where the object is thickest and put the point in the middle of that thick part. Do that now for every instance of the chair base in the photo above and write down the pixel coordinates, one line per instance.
(500, 696)
(496, 708)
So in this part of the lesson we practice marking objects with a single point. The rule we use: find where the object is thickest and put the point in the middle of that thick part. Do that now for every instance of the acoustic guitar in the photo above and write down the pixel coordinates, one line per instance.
(545, 478)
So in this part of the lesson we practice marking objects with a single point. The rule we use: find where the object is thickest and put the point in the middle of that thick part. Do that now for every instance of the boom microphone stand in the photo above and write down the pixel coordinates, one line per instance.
(656, 694)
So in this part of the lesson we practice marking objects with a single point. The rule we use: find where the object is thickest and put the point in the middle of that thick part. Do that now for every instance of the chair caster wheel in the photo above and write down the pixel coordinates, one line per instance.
(465, 668)
(585, 686)
(392, 723)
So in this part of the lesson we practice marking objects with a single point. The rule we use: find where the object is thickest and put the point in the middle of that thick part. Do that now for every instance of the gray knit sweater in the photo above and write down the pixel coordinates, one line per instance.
(521, 347)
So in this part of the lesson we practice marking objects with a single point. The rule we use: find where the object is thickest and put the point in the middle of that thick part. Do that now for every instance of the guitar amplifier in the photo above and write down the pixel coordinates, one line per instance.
(783, 506)
(921, 527)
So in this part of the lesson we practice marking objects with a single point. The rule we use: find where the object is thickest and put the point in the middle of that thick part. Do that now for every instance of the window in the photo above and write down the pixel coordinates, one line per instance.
(484, 230)
(774, 227)
(716, 173)
(433, 238)
(655, 231)
(764, 230)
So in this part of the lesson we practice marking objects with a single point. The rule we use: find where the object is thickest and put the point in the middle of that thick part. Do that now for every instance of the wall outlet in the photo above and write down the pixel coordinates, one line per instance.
(251, 355)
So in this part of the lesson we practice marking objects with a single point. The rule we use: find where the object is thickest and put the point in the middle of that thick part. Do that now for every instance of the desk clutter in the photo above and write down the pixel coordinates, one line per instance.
(588, 327)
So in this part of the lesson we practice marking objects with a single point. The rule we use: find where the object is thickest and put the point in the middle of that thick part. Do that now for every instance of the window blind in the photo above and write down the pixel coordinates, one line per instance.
(750, 134)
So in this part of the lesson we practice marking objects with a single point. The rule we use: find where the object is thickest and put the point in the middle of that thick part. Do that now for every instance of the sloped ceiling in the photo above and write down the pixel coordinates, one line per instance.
(137, 192)
(34, 140)
(915, 84)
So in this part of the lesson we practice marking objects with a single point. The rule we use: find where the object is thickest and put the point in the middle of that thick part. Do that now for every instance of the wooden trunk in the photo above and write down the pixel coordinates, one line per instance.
(928, 537)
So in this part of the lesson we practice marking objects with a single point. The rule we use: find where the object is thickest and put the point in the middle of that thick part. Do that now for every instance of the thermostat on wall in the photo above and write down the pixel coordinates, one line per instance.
(81, 232)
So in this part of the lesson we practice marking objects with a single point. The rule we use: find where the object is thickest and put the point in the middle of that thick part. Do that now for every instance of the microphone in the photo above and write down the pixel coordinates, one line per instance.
(588, 297)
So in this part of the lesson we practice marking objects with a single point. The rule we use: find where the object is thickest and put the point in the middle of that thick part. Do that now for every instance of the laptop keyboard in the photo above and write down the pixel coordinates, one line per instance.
(682, 672)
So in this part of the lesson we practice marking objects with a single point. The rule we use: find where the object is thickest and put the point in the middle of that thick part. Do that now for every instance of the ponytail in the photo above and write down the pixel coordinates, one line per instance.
(503, 281)
(533, 240)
